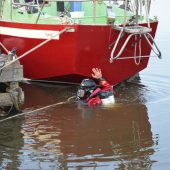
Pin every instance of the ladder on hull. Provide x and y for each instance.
(134, 31)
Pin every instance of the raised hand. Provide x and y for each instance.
(97, 74)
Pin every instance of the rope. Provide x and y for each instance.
(4, 48)
(49, 81)
(31, 50)
(125, 13)
(39, 109)
(140, 51)
(124, 58)
(42, 6)
(1, 67)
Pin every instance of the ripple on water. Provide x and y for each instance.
(69, 136)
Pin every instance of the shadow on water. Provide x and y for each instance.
(71, 136)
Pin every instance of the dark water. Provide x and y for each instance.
(133, 134)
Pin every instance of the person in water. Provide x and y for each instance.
(96, 94)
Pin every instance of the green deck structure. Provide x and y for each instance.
(94, 13)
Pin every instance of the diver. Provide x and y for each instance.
(93, 94)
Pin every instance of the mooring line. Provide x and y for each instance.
(42, 108)
(34, 48)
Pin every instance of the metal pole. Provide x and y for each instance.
(94, 11)
(147, 14)
(137, 9)
(11, 9)
(125, 13)
(149, 5)
(40, 11)
(140, 6)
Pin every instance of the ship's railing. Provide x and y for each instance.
(134, 31)
(128, 11)
(37, 7)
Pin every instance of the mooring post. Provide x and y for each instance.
(10, 92)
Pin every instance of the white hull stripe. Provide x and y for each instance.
(29, 33)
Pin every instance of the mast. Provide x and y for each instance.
(11, 10)
(147, 6)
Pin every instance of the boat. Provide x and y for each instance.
(58, 40)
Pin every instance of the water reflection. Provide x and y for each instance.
(70, 136)
(119, 137)
(11, 143)
(40, 94)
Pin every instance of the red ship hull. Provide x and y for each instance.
(73, 56)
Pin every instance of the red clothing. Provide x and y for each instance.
(98, 94)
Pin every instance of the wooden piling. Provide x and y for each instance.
(10, 92)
